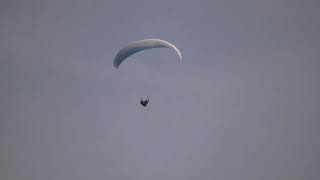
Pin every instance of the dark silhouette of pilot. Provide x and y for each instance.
(144, 102)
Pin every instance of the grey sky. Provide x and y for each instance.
(243, 104)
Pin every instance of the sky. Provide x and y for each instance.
(243, 104)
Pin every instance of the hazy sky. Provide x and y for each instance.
(244, 103)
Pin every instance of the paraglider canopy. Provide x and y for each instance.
(141, 45)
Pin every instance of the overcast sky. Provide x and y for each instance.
(244, 103)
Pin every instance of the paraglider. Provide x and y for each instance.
(138, 46)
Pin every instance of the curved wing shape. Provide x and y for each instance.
(140, 45)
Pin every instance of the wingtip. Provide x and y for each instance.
(115, 65)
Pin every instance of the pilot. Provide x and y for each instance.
(144, 102)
